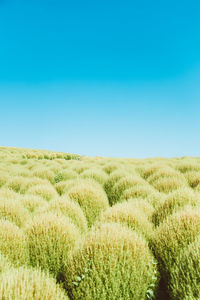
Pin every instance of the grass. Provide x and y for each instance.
(76, 227)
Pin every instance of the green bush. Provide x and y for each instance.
(128, 214)
(174, 202)
(168, 184)
(13, 243)
(43, 173)
(13, 210)
(97, 174)
(184, 276)
(29, 284)
(178, 231)
(91, 198)
(15, 183)
(50, 238)
(46, 191)
(32, 203)
(143, 205)
(193, 178)
(113, 263)
(112, 180)
(165, 172)
(138, 191)
(63, 205)
(124, 184)
(65, 175)
(111, 167)
(187, 166)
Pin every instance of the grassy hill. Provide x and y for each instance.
(94, 228)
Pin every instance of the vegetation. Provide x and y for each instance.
(75, 227)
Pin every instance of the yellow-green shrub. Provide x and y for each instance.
(148, 170)
(111, 167)
(124, 184)
(29, 284)
(112, 180)
(168, 184)
(50, 238)
(15, 183)
(32, 203)
(91, 198)
(186, 166)
(128, 214)
(13, 210)
(113, 263)
(155, 199)
(171, 236)
(65, 175)
(44, 173)
(66, 207)
(6, 193)
(13, 243)
(184, 281)
(45, 191)
(174, 202)
(97, 174)
(142, 204)
(193, 178)
(138, 191)
(165, 172)
(31, 182)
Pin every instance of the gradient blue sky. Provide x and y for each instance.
(108, 78)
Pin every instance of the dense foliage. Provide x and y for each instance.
(75, 227)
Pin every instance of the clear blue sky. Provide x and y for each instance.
(108, 78)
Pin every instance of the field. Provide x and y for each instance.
(92, 228)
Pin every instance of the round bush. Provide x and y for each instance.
(166, 172)
(65, 175)
(127, 214)
(124, 184)
(111, 167)
(44, 173)
(96, 174)
(146, 207)
(91, 198)
(138, 191)
(168, 184)
(113, 263)
(13, 210)
(50, 238)
(27, 283)
(156, 199)
(112, 180)
(32, 181)
(171, 236)
(63, 205)
(32, 203)
(15, 183)
(187, 166)
(193, 178)
(174, 202)
(46, 191)
(13, 243)
(184, 275)
(149, 170)
(6, 193)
